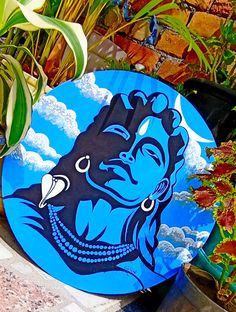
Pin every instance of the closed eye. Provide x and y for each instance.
(118, 129)
(153, 154)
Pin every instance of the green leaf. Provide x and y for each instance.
(41, 82)
(233, 133)
(96, 4)
(228, 32)
(213, 42)
(19, 106)
(23, 17)
(72, 32)
(227, 28)
(32, 4)
(228, 57)
(17, 18)
(227, 83)
(221, 75)
(52, 7)
(184, 32)
(6, 9)
(4, 91)
(232, 37)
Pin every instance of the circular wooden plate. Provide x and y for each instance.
(97, 193)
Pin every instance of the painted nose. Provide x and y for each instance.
(126, 157)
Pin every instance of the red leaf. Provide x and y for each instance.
(226, 247)
(223, 187)
(226, 149)
(226, 219)
(222, 169)
(219, 259)
(229, 204)
(204, 196)
(216, 259)
(202, 176)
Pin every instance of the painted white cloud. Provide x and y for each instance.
(178, 254)
(57, 113)
(89, 89)
(181, 196)
(188, 231)
(182, 237)
(41, 142)
(193, 159)
(32, 160)
(199, 235)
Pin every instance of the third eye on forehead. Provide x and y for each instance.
(142, 130)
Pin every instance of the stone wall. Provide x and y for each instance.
(169, 58)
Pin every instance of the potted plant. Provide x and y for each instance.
(215, 98)
(16, 99)
(16, 93)
(214, 271)
(218, 192)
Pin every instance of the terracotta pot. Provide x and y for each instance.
(185, 296)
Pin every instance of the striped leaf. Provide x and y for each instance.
(32, 4)
(4, 91)
(41, 82)
(23, 16)
(6, 9)
(9, 6)
(17, 18)
(19, 105)
(16, 100)
(72, 32)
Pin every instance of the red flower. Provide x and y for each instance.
(204, 196)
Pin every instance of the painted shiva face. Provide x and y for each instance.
(123, 157)
(139, 168)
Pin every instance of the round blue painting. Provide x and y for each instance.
(97, 194)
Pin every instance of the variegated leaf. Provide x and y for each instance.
(23, 17)
(72, 32)
(32, 4)
(19, 106)
(41, 81)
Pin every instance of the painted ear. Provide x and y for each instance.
(160, 189)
